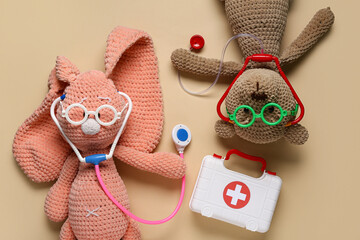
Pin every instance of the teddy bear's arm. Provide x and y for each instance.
(166, 164)
(57, 199)
(186, 61)
(315, 29)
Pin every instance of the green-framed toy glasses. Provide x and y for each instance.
(271, 114)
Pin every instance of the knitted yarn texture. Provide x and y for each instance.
(271, 89)
(42, 153)
(265, 19)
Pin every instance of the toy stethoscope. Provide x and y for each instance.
(181, 136)
(256, 58)
(263, 58)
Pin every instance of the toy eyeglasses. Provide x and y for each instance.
(112, 114)
(279, 114)
(271, 114)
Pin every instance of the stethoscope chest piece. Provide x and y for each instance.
(181, 136)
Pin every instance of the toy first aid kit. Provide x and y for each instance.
(234, 197)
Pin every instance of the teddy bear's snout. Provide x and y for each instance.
(90, 127)
(258, 94)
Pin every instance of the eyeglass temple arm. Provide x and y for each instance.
(122, 110)
(301, 105)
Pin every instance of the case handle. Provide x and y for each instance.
(248, 157)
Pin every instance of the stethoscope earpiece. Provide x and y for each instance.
(197, 42)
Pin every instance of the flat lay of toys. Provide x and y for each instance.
(88, 120)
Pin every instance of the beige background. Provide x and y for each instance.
(320, 194)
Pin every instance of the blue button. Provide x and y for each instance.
(182, 135)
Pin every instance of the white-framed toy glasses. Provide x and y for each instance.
(111, 113)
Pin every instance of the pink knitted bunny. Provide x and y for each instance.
(43, 154)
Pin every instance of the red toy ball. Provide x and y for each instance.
(197, 42)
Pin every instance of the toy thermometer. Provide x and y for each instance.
(234, 197)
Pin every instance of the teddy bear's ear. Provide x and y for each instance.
(66, 71)
(38, 146)
(224, 129)
(296, 134)
(130, 62)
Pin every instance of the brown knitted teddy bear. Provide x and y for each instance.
(261, 82)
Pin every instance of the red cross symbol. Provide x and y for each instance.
(236, 195)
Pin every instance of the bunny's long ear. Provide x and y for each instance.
(38, 146)
(131, 63)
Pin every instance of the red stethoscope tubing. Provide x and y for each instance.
(262, 58)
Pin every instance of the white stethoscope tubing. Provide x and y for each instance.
(221, 63)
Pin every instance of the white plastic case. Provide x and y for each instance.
(234, 197)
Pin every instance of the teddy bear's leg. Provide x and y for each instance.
(318, 26)
(132, 232)
(66, 232)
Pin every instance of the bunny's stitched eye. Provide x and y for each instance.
(246, 110)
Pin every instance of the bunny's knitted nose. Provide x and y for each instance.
(90, 127)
